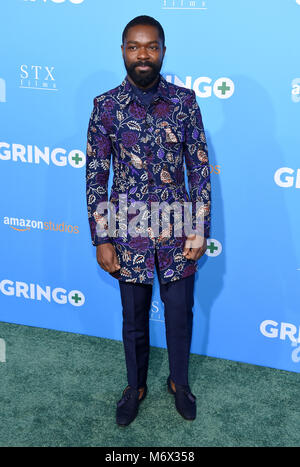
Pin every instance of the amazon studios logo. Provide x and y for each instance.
(223, 88)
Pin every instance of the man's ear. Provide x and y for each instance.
(122, 48)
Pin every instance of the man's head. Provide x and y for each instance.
(143, 50)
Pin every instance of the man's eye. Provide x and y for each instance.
(153, 47)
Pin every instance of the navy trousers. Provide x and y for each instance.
(178, 300)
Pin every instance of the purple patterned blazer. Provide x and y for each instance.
(150, 148)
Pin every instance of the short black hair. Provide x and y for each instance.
(145, 20)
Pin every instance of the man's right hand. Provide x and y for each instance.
(107, 257)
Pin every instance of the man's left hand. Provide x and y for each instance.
(194, 247)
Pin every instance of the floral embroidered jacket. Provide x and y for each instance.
(150, 149)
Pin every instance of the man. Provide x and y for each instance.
(150, 127)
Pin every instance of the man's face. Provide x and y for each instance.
(143, 55)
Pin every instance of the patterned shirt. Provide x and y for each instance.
(150, 147)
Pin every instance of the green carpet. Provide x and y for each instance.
(61, 389)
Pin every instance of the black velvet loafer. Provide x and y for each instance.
(128, 405)
(185, 401)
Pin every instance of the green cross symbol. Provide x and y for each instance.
(76, 298)
(212, 247)
(76, 158)
(224, 88)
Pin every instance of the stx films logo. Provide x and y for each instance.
(38, 77)
(204, 87)
(184, 4)
(156, 313)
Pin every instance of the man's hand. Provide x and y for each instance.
(194, 247)
(107, 257)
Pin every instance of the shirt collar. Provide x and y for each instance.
(128, 91)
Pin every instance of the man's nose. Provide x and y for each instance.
(143, 53)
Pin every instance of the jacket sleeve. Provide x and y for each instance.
(98, 156)
(197, 165)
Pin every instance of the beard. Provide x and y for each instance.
(143, 77)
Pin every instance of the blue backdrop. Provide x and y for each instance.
(242, 59)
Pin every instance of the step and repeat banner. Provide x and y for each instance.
(242, 60)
